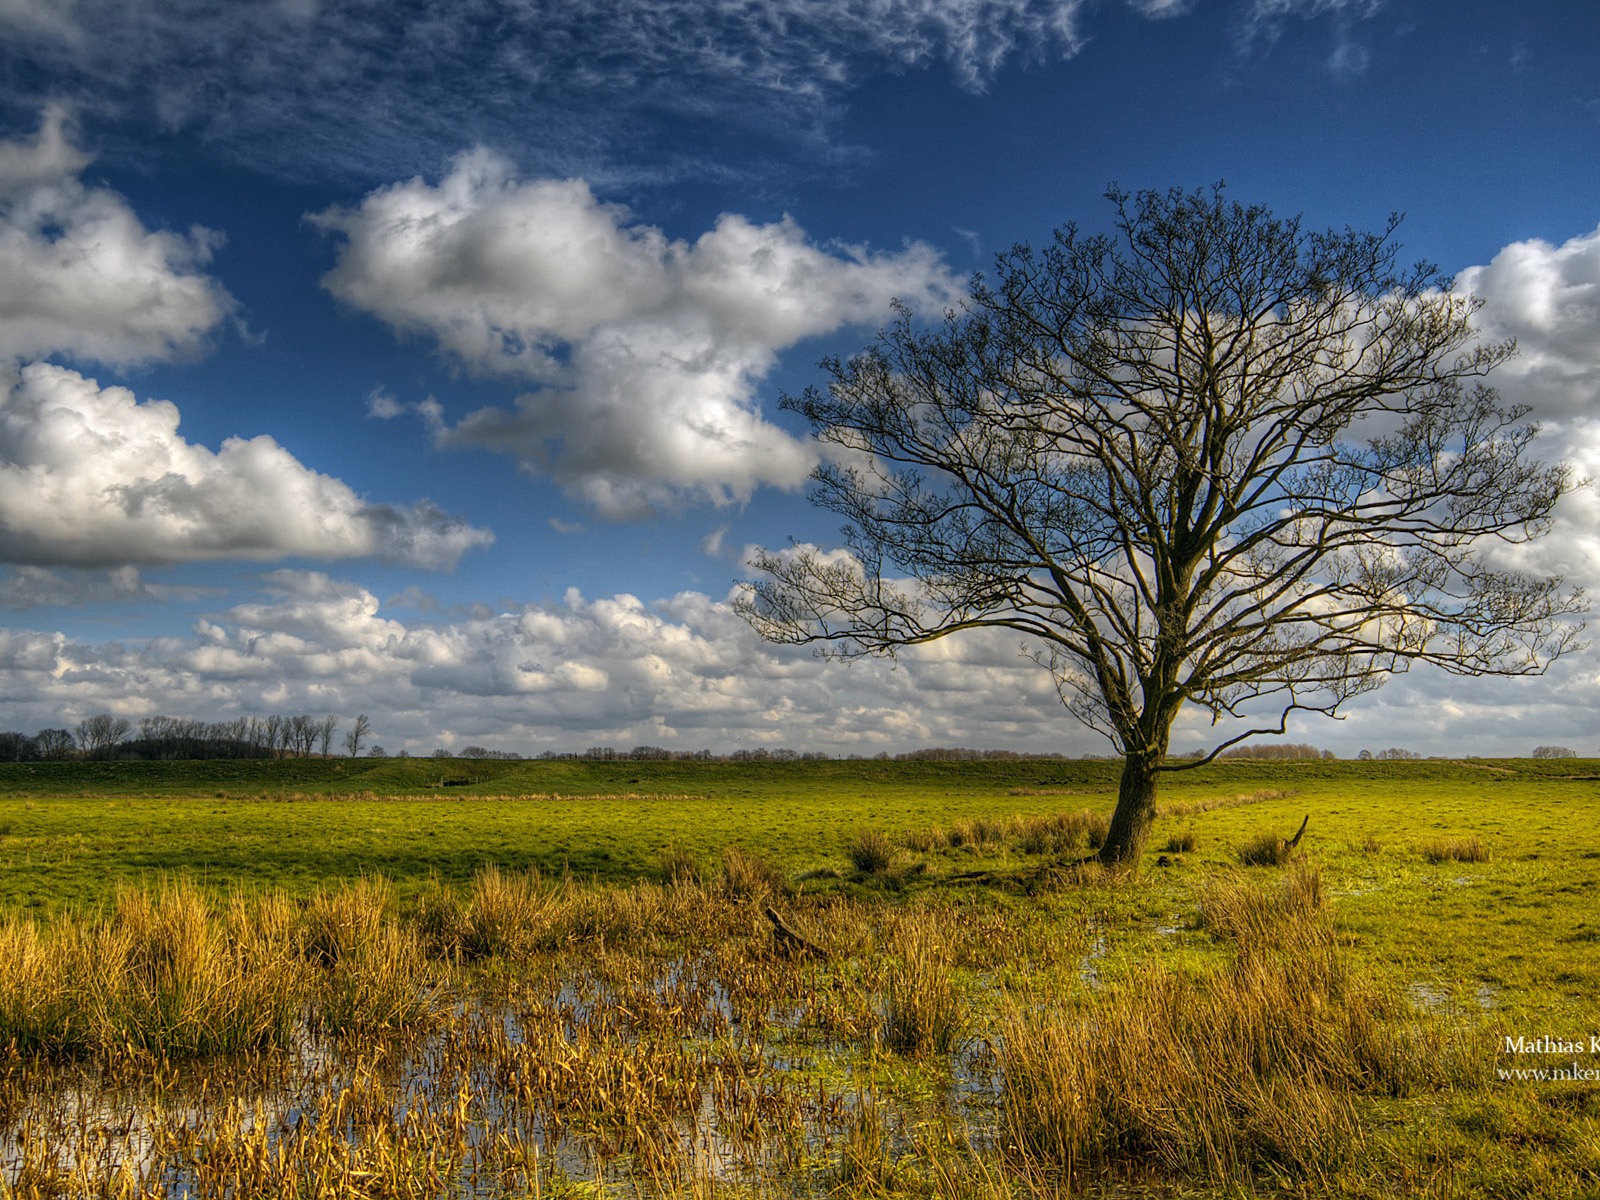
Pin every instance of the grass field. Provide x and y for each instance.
(1341, 1017)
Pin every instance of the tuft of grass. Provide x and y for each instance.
(1227, 1073)
(925, 841)
(160, 973)
(1236, 907)
(1181, 843)
(747, 876)
(1467, 849)
(339, 922)
(871, 852)
(380, 987)
(507, 915)
(679, 865)
(1265, 850)
(866, 1165)
(923, 1010)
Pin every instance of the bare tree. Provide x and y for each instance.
(1212, 459)
(100, 733)
(1554, 752)
(325, 734)
(274, 731)
(356, 734)
(54, 743)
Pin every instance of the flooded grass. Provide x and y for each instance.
(536, 1037)
(987, 1013)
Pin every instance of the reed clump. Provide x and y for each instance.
(509, 915)
(1460, 849)
(747, 876)
(923, 1009)
(1223, 1073)
(158, 972)
(871, 852)
(679, 865)
(1265, 850)
(1055, 833)
(1181, 843)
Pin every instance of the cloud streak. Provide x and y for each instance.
(650, 349)
(681, 671)
(351, 86)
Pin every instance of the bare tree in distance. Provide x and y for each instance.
(356, 734)
(1212, 459)
(325, 732)
(54, 743)
(100, 733)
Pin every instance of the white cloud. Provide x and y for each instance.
(382, 406)
(1548, 298)
(1264, 23)
(90, 476)
(1158, 10)
(82, 275)
(684, 671)
(712, 545)
(650, 349)
(36, 19)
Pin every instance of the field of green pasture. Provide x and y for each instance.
(1337, 1019)
(1517, 931)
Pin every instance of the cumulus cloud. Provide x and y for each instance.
(83, 276)
(1548, 298)
(682, 671)
(91, 476)
(650, 349)
(378, 89)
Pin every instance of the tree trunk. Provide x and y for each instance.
(1135, 811)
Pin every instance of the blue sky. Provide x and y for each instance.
(422, 359)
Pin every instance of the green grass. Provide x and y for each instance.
(1506, 941)
(76, 828)
(1517, 930)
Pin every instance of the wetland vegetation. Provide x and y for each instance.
(323, 978)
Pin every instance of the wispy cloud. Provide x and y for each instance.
(684, 670)
(1265, 21)
(37, 587)
(377, 89)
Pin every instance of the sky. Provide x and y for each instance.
(422, 358)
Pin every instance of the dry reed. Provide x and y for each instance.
(1462, 849)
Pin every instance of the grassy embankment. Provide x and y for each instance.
(986, 1020)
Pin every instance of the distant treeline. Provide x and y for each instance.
(109, 737)
(783, 754)
(1277, 750)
